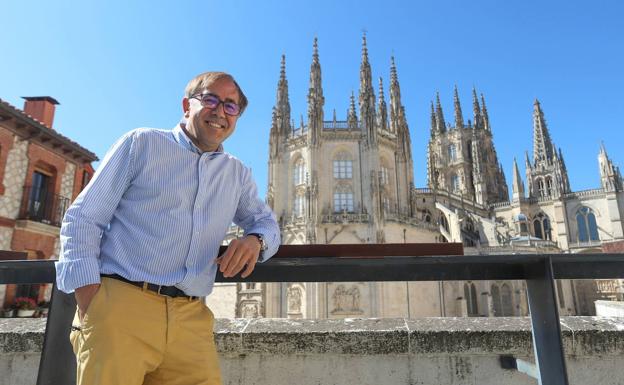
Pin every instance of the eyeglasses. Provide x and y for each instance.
(212, 101)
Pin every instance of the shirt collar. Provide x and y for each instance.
(183, 139)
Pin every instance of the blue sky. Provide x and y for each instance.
(117, 65)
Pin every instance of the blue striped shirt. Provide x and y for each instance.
(157, 210)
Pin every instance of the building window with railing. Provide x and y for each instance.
(587, 226)
(343, 200)
(298, 209)
(39, 203)
(299, 172)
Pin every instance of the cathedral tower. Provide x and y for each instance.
(547, 175)
(462, 158)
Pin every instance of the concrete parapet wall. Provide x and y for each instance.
(446, 351)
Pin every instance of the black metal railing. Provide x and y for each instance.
(42, 206)
(366, 262)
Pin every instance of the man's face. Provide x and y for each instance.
(207, 127)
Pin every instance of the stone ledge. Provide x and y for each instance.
(582, 336)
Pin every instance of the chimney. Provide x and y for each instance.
(40, 108)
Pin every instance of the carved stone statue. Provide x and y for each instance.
(294, 299)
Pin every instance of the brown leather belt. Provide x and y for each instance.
(168, 291)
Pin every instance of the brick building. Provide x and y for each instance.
(41, 172)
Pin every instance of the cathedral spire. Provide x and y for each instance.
(518, 185)
(440, 123)
(610, 176)
(476, 110)
(280, 120)
(396, 118)
(315, 71)
(484, 113)
(351, 114)
(459, 119)
(542, 145)
(434, 122)
(367, 98)
(283, 104)
(316, 101)
(382, 110)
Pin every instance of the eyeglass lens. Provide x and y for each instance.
(212, 101)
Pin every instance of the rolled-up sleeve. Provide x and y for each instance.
(89, 215)
(255, 216)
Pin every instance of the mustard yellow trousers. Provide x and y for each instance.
(129, 336)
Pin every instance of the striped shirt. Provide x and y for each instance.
(157, 210)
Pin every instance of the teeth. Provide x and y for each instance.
(215, 125)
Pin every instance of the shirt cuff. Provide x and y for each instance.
(71, 275)
(271, 239)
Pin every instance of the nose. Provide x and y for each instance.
(220, 110)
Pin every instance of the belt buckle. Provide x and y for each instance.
(159, 293)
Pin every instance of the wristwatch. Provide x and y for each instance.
(263, 245)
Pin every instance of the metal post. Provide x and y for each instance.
(547, 343)
(58, 362)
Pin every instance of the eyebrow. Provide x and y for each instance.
(208, 92)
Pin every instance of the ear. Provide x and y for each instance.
(185, 107)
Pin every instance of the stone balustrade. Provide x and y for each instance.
(441, 351)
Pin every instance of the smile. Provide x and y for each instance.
(215, 125)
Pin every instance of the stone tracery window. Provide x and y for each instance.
(541, 227)
(540, 187)
(298, 210)
(549, 186)
(343, 199)
(343, 166)
(470, 294)
(299, 172)
(587, 226)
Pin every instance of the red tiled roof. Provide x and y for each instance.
(26, 118)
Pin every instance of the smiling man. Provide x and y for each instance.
(140, 244)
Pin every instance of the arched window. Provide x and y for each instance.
(470, 294)
(549, 191)
(299, 206)
(343, 166)
(497, 306)
(343, 199)
(540, 187)
(299, 172)
(541, 226)
(587, 226)
(506, 301)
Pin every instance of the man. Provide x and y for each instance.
(140, 244)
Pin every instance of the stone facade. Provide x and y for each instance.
(351, 181)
